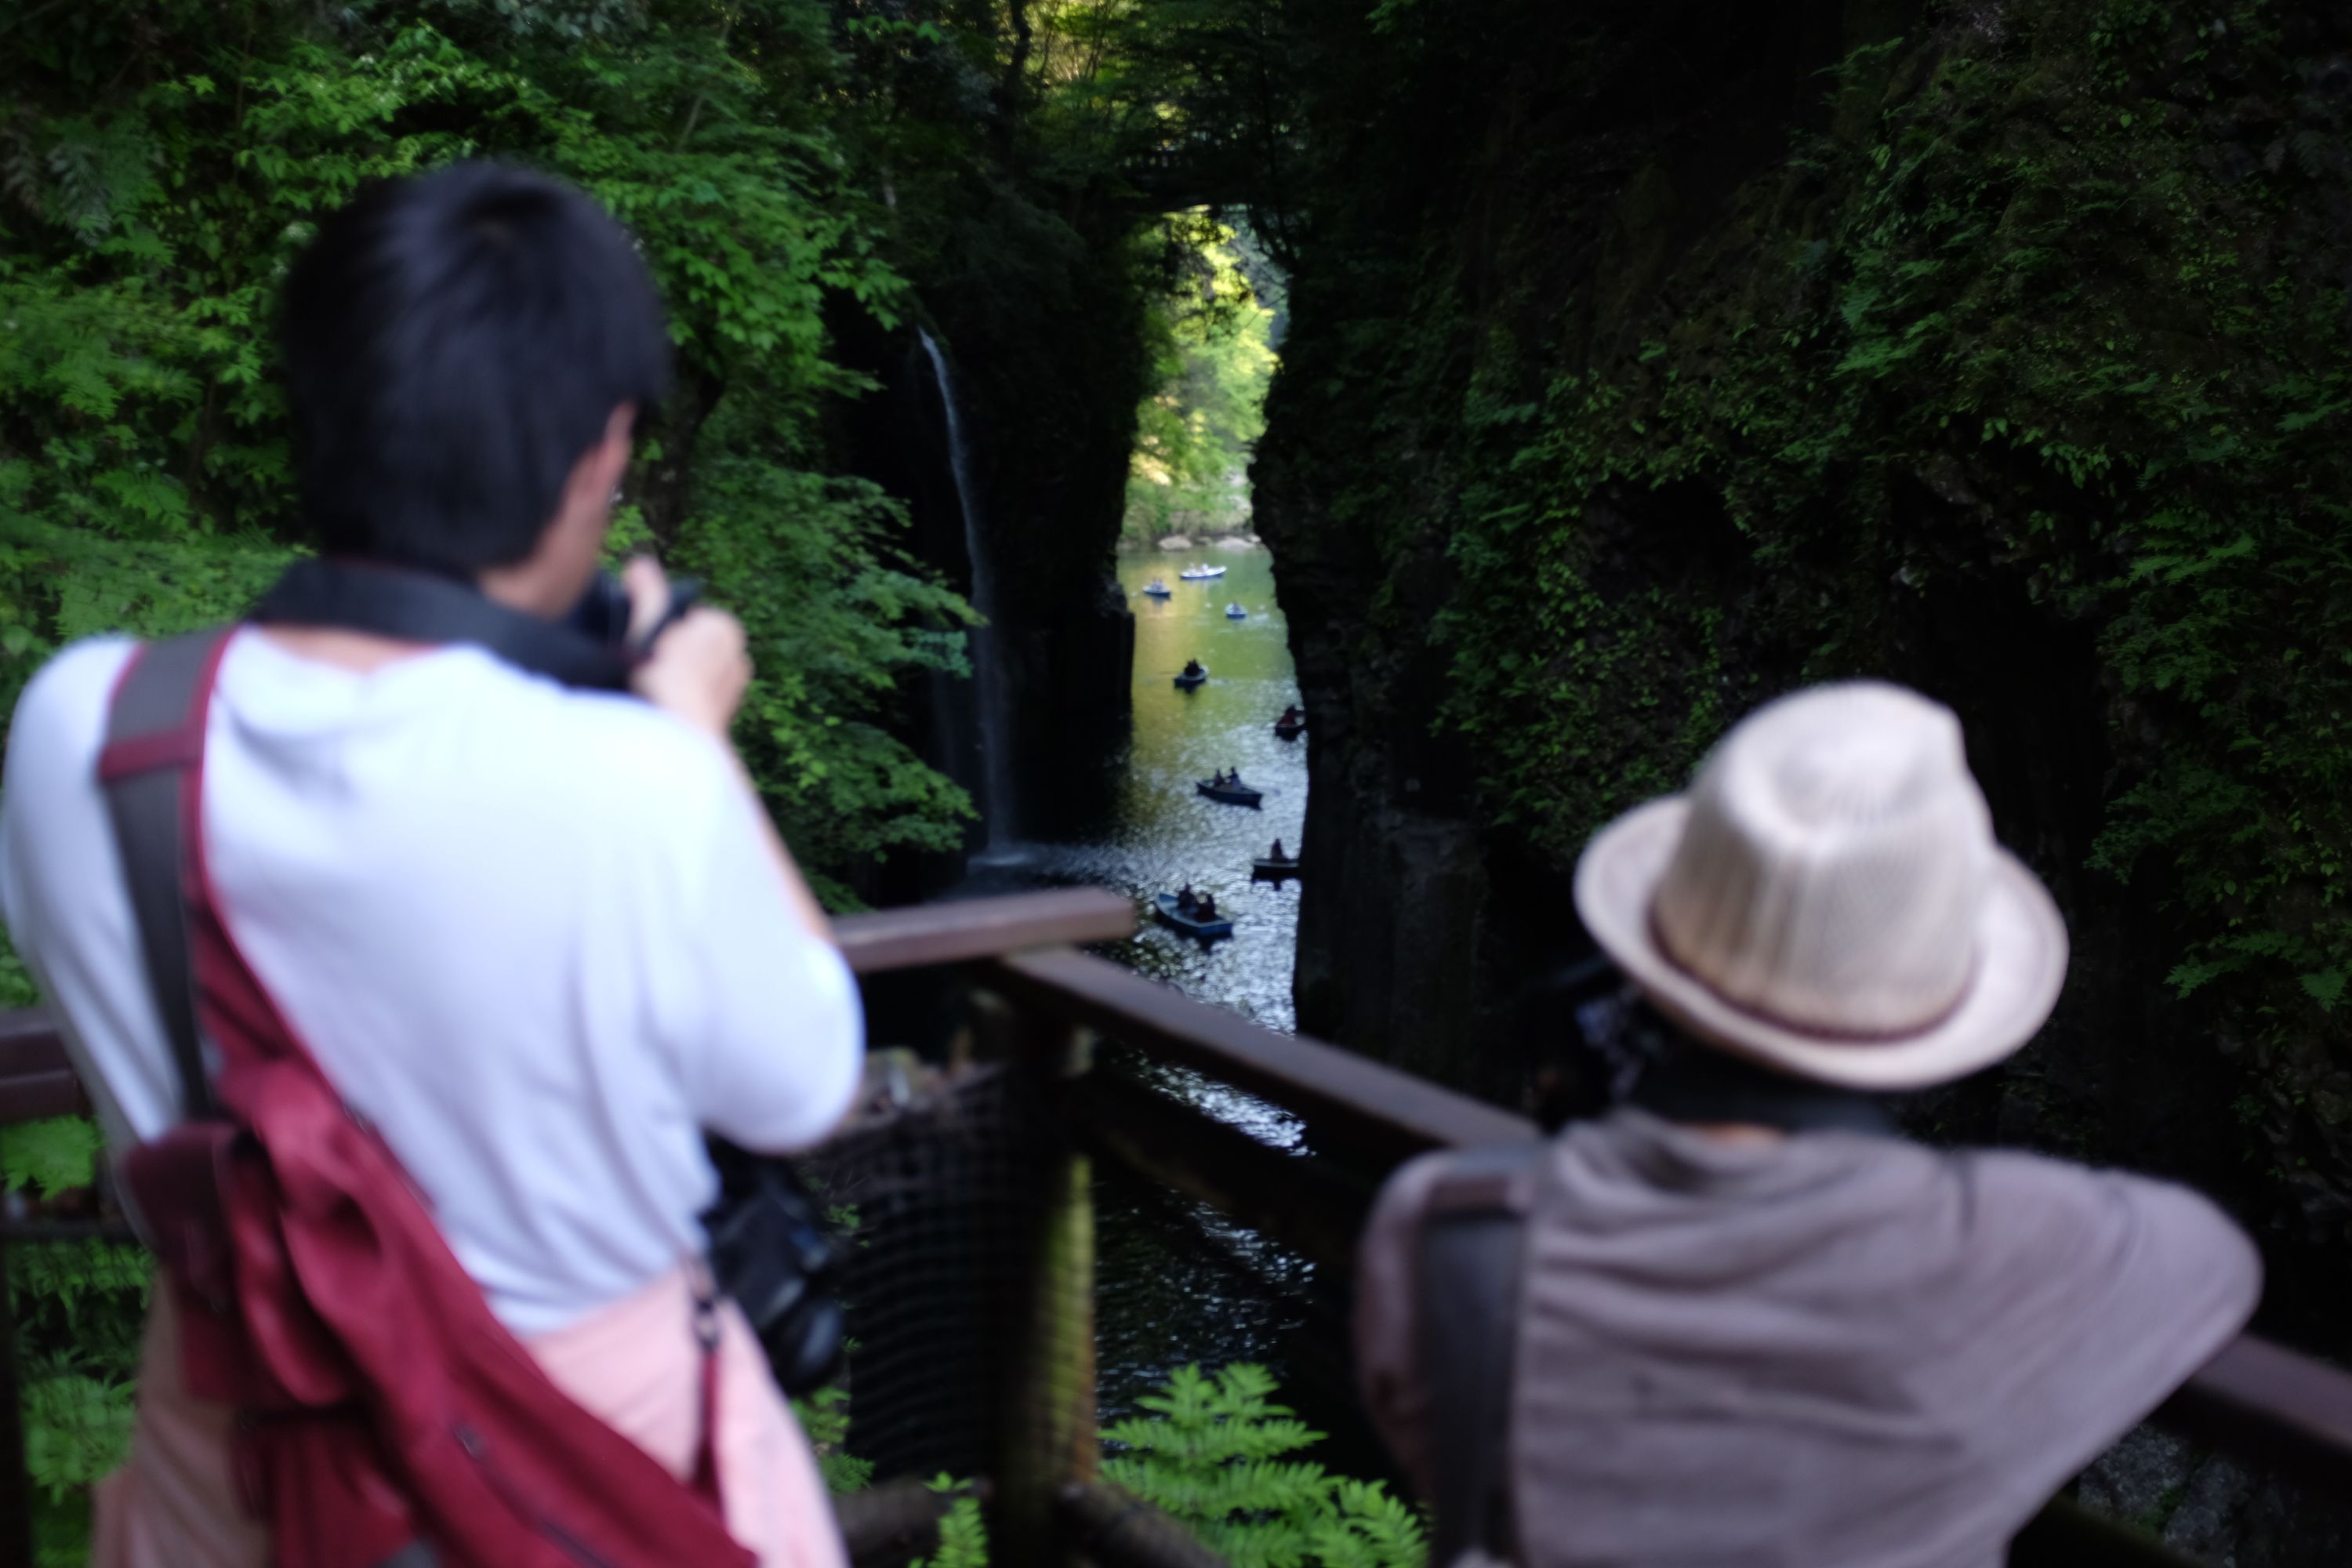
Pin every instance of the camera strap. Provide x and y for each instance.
(1700, 1086)
(418, 606)
(1468, 1279)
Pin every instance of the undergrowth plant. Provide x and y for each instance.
(78, 1308)
(1213, 1455)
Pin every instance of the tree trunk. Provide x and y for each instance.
(665, 484)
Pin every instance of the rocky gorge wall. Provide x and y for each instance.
(1039, 319)
(1648, 360)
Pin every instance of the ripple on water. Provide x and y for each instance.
(1177, 1281)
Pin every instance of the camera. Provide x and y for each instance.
(602, 615)
(1592, 1037)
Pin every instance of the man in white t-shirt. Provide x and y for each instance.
(542, 937)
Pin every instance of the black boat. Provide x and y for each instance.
(1290, 731)
(1193, 682)
(1264, 870)
(1231, 793)
(1164, 906)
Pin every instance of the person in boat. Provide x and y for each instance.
(1289, 716)
(1186, 899)
(1218, 778)
(1233, 779)
(1277, 854)
(1192, 666)
(1207, 909)
(1754, 1321)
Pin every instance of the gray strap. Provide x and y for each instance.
(1470, 1251)
(161, 695)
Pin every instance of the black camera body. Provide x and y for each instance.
(1592, 1037)
(773, 1252)
(602, 615)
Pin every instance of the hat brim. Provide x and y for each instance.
(2021, 966)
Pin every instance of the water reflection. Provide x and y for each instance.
(1177, 1281)
(1159, 832)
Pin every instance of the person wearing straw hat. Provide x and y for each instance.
(1740, 1319)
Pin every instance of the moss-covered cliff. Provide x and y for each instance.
(1649, 360)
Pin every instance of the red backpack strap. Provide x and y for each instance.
(154, 751)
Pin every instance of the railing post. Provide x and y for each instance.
(1047, 1438)
(15, 1484)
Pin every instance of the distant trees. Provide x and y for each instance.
(1212, 361)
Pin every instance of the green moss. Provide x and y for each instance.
(2052, 309)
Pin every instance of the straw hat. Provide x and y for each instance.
(1828, 898)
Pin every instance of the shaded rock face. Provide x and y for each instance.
(1047, 408)
(1426, 918)
(1043, 318)
(1648, 361)
(2213, 1509)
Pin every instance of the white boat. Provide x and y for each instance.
(1201, 573)
(1158, 590)
(1236, 613)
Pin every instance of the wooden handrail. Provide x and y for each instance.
(2260, 1399)
(2255, 1396)
(1351, 1099)
(37, 1080)
(966, 928)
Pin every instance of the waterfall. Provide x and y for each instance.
(999, 808)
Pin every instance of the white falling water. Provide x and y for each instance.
(997, 803)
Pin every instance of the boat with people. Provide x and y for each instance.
(1274, 865)
(1230, 791)
(1201, 573)
(1291, 725)
(1236, 613)
(1157, 589)
(1192, 921)
(1193, 676)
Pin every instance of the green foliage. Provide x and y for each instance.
(144, 478)
(2050, 314)
(47, 1157)
(1212, 364)
(964, 1533)
(78, 1308)
(825, 1416)
(1212, 1455)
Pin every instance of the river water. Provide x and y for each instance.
(1159, 832)
(1177, 1282)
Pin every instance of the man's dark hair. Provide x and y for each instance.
(454, 342)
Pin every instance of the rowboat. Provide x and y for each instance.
(1231, 794)
(1264, 870)
(1158, 590)
(1236, 613)
(1290, 732)
(1165, 906)
(1201, 573)
(1188, 682)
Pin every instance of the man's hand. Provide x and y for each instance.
(697, 670)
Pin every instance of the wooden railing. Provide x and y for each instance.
(1041, 1002)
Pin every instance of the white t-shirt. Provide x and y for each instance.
(532, 934)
